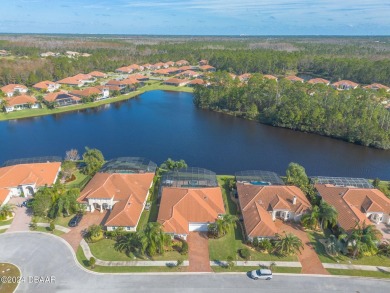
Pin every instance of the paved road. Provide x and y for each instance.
(39, 254)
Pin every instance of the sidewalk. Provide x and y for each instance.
(356, 267)
(290, 264)
(139, 263)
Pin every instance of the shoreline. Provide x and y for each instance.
(31, 113)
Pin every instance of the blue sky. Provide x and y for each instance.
(197, 17)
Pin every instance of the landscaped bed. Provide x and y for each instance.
(376, 260)
(134, 269)
(12, 273)
(104, 250)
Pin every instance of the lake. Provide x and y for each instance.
(160, 124)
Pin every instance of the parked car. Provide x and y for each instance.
(75, 220)
(263, 274)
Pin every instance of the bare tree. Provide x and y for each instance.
(72, 155)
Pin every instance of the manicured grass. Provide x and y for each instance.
(104, 250)
(276, 269)
(44, 111)
(232, 242)
(2, 231)
(79, 182)
(103, 269)
(62, 221)
(375, 260)
(359, 273)
(7, 222)
(47, 230)
(8, 270)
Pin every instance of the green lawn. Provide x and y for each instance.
(359, 273)
(375, 260)
(230, 244)
(9, 271)
(62, 221)
(7, 222)
(103, 269)
(80, 181)
(104, 250)
(2, 231)
(276, 269)
(46, 230)
(44, 111)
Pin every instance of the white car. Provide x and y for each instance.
(261, 274)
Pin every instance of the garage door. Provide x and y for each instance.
(203, 227)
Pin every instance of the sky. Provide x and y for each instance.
(197, 17)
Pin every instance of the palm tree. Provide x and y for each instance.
(364, 240)
(6, 211)
(310, 220)
(94, 230)
(225, 224)
(128, 243)
(328, 215)
(154, 238)
(289, 244)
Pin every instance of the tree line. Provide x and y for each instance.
(353, 115)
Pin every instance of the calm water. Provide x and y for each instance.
(158, 125)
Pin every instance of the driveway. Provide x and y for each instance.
(76, 234)
(22, 218)
(198, 252)
(42, 254)
(309, 259)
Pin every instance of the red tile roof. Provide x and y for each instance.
(9, 88)
(87, 92)
(98, 74)
(352, 204)
(294, 78)
(129, 191)
(346, 83)
(257, 202)
(44, 85)
(52, 97)
(206, 67)
(40, 174)
(181, 206)
(377, 86)
(196, 81)
(318, 80)
(269, 76)
(176, 81)
(20, 100)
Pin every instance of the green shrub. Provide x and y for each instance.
(184, 247)
(179, 262)
(52, 226)
(245, 253)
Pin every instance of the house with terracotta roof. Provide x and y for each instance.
(98, 74)
(294, 78)
(124, 69)
(20, 102)
(98, 93)
(176, 82)
(158, 65)
(203, 62)
(121, 187)
(78, 80)
(139, 77)
(190, 200)
(207, 68)
(356, 205)
(148, 66)
(125, 85)
(261, 205)
(60, 99)
(269, 76)
(10, 89)
(47, 86)
(163, 72)
(26, 179)
(169, 64)
(377, 86)
(244, 77)
(345, 85)
(189, 74)
(195, 82)
(318, 81)
(182, 62)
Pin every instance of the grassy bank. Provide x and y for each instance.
(359, 273)
(247, 269)
(45, 111)
(7, 222)
(11, 271)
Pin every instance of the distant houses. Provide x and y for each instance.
(61, 99)
(47, 86)
(11, 89)
(345, 85)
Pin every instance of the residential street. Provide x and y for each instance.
(39, 254)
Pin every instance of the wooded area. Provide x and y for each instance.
(351, 115)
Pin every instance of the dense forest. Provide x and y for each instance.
(352, 115)
(363, 60)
